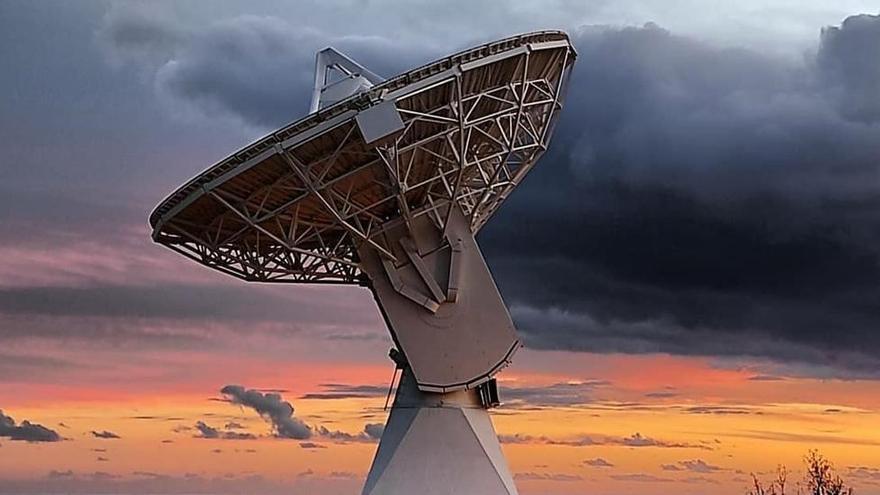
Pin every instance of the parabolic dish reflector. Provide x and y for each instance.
(386, 188)
(296, 205)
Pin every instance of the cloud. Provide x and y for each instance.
(598, 462)
(766, 378)
(101, 475)
(523, 439)
(311, 445)
(149, 474)
(26, 431)
(166, 301)
(553, 395)
(344, 391)
(535, 476)
(638, 440)
(848, 62)
(345, 475)
(206, 431)
(865, 473)
(634, 440)
(699, 200)
(806, 438)
(700, 480)
(662, 395)
(696, 200)
(140, 33)
(640, 477)
(699, 466)
(106, 435)
(372, 432)
(271, 407)
(249, 67)
(720, 410)
(694, 466)
(55, 474)
(147, 482)
(241, 67)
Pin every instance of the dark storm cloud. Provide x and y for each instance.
(699, 200)
(257, 68)
(159, 316)
(26, 431)
(250, 66)
(696, 200)
(167, 301)
(141, 32)
(272, 408)
(21, 366)
(849, 62)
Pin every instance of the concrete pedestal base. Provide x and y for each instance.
(438, 444)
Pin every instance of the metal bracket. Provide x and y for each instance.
(409, 248)
(407, 291)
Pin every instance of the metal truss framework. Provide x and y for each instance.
(303, 220)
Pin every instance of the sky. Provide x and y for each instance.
(693, 266)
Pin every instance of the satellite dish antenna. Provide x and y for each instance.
(384, 185)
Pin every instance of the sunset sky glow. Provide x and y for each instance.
(693, 266)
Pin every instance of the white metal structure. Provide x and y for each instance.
(438, 444)
(385, 185)
(351, 78)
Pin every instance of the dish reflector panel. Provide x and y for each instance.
(297, 205)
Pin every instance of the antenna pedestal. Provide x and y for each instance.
(438, 444)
